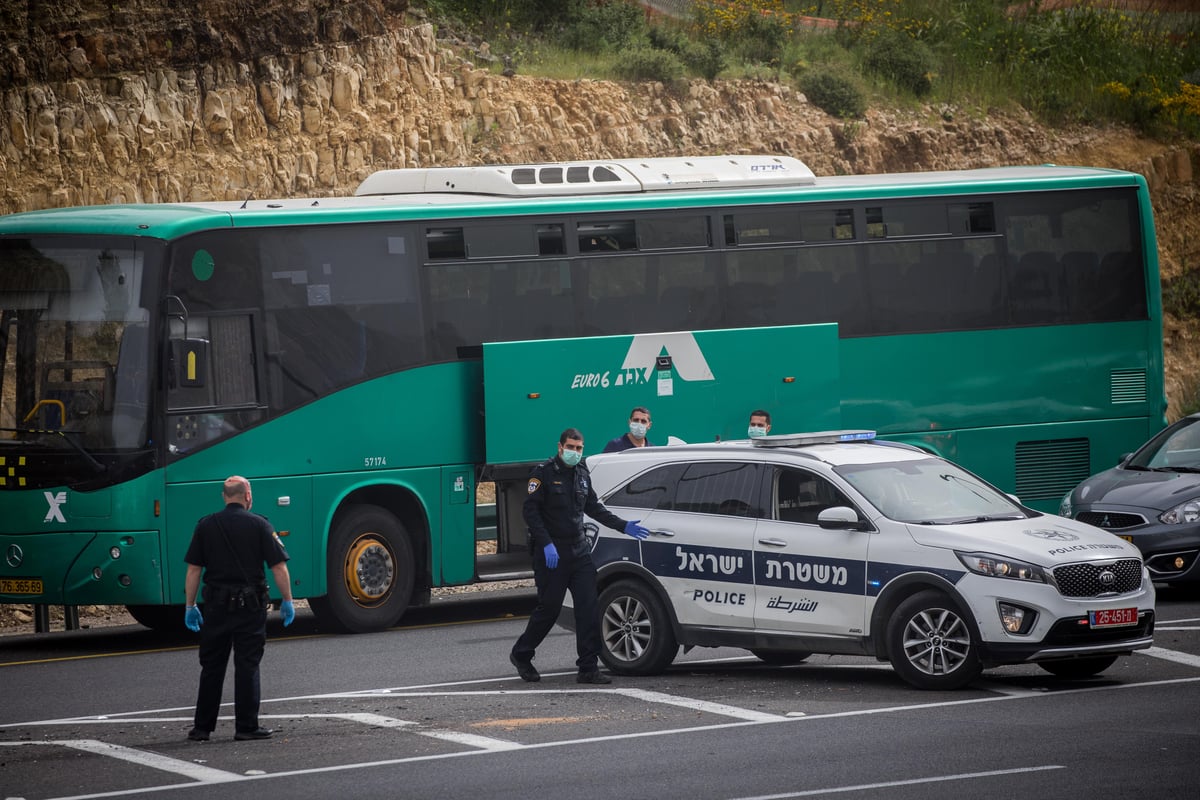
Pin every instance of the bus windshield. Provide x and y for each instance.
(74, 331)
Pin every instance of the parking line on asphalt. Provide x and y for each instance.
(866, 787)
(188, 769)
(381, 721)
(700, 705)
(1172, 655)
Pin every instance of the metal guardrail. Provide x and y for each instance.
(485, 522)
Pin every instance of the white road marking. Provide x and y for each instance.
(468, 739)
(700, 705)
(622, 736)
(913, 782)
(188, 769)
(1173, 655)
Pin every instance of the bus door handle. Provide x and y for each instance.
(773, 542)
(664, 532)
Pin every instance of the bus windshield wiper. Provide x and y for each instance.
(79, 448)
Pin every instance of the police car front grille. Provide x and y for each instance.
(1085, 580)
(1110, 520)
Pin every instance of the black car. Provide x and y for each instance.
(1152, 499)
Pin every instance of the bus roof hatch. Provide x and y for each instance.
(593, 177)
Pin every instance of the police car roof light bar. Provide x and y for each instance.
(819, 437)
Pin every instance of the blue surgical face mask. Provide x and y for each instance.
(638, 429)
(571, 457)
(755, 431)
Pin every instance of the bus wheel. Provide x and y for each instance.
(635, 630)
(930, 643)
(370, 572)
(168, 619)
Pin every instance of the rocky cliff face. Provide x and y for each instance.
(147, 101)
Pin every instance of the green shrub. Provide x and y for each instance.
(706, 57)
(606, 25)
(650, 64)
(902, 60)
(1181, 295)
(833, 93)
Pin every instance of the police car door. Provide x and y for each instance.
(808, 579)
(701, 542)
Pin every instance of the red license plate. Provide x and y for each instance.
(1113, 618)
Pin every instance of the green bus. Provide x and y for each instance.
(369, 361)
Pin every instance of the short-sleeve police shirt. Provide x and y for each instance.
(236, 555)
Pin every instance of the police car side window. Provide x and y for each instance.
(653, 490)
(725, 488)
(803, 495)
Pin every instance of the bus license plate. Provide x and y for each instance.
(1113, 618)
(20, 585)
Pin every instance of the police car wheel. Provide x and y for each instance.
(931, 643)
(1077, 668)
(635, 629)
(779, 657)
(370, 571)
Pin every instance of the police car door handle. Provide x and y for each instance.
(773, 542)
(662, 533)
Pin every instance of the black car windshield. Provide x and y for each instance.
(74, 331)
(929, 491)
(1175, 448)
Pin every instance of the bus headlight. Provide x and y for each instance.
(1000, 567)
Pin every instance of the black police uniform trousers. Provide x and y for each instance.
(245, 632)
(575, 572)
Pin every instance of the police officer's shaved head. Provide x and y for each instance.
(236, 487)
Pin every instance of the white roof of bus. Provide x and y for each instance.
(479, 185)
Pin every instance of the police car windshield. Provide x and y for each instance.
(930, 491)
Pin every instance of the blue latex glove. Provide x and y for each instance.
(193, 619)
(636, 531)
(288, 610)
(551, 555)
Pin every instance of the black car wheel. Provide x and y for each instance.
(635, 629)
(930, 643)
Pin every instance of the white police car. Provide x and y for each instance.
(839, 543)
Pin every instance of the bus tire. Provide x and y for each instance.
(369, 574)
(168, 619)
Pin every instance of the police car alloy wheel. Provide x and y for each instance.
(930, 643)
(636, 630)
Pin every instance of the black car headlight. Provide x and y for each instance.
(1000, 567)
(1182, 513)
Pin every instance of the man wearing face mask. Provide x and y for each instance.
(559, 493)
(639, 424)
(760, 423)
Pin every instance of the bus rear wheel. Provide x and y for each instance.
(369, 574)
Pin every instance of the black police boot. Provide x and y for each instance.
(525, 669)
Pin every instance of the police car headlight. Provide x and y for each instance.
(1000, 567)
(1182, 513)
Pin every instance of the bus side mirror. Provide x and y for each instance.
(189, 363)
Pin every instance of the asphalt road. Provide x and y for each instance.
(433, 709)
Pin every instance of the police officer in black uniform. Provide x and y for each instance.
(230, 547)
(559, 492)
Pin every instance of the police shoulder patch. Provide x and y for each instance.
(534, 483)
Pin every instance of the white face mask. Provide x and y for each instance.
(755, 431)
(638, 430)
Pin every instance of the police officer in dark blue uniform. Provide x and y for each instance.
(229, 548)
(559, 493)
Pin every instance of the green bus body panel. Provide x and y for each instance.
(64, 554)
(716, 379)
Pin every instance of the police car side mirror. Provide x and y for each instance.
(840, 518)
